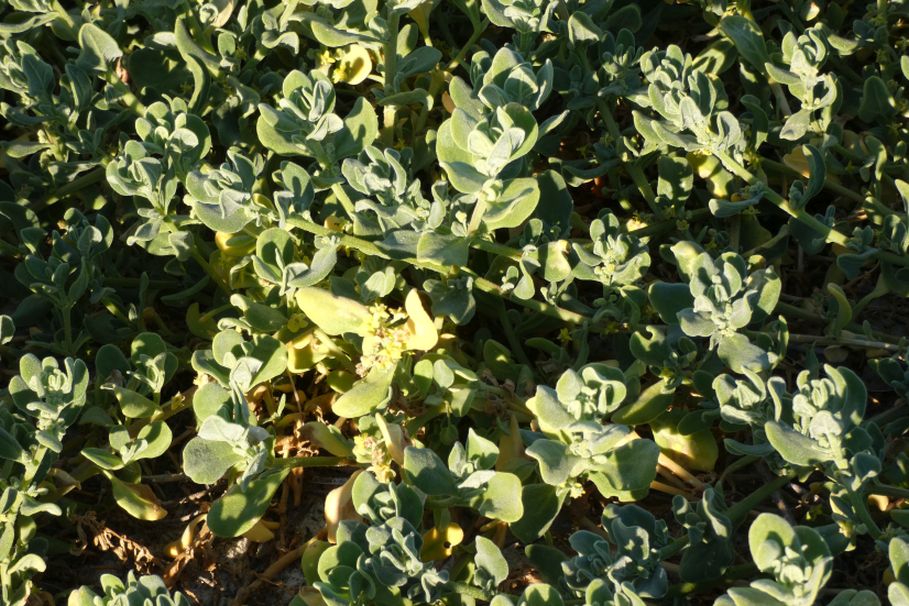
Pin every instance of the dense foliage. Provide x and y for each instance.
(584, 301)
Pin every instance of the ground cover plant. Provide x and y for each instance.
(409, 302)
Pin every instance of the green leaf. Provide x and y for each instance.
(767, 533)
(550, 413)
(9, 447)
(498, 501)
(582, 29)
(628, 472)
(541, 594)
(898, 551)
(843, 312)
(877, 101)
(239, 510)
(697, 450)
(514, 204)
(541, 503)
(361, 127)
(328, 437)
(669, 299)
(794, 447)
(333, 314)
(369, 394)
(424, 469)
(132, 404)
(99, 49)
(652, 402)
(748, 39)
(102, 458)
(741, 354)
(137, 500)
(444, 249)
(489, 557)
(556, 465)
(209, 399)
(206, 462)
(796, 125)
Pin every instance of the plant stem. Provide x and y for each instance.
(782, 203)
(738, 511)
(733, 572)
(470, 591)
(888, 490)
(438, 82)
(68, 329)
(297, 462)
(66, 18)
(484, 285)
(206, 266)
(861, 508)
(348, 205)
(390, 53)
(637, 175)
(836, 188)
(680, 472)
(847, 341)
(737, 464)
(77, 184)
(669, 489)
(31, 469)
(494, 248)
(510, 335)
(832, 235)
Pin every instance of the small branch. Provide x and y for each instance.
(276, 568)
(637, 175)
(657, 485)
(681, 472)
(297, 462)
(738, 511)
(845, 341)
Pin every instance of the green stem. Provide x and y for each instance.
(737, 464)
(737, 512)
(733, 572)
(847, 341)
(478, 31)
(637, 175)
(861, 508)
(804, 314)
(77, 184)
(438, 82)
(130, 100)
(31, 469)
(743, 173)
(206, 266)
(510, 335)
(484, 285)
(471, 591)
(66, 18)
(121, 282)
(494, 248)
(888, 490)
(896, 411)
(832, 235)
(348, 205)
(391, 67)
(674, 547)
(296, 462)
(836, 188)
(68, 329)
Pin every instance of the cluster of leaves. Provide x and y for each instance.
(506, 265)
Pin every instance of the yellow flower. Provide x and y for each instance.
(353, 66)
(439, 543)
